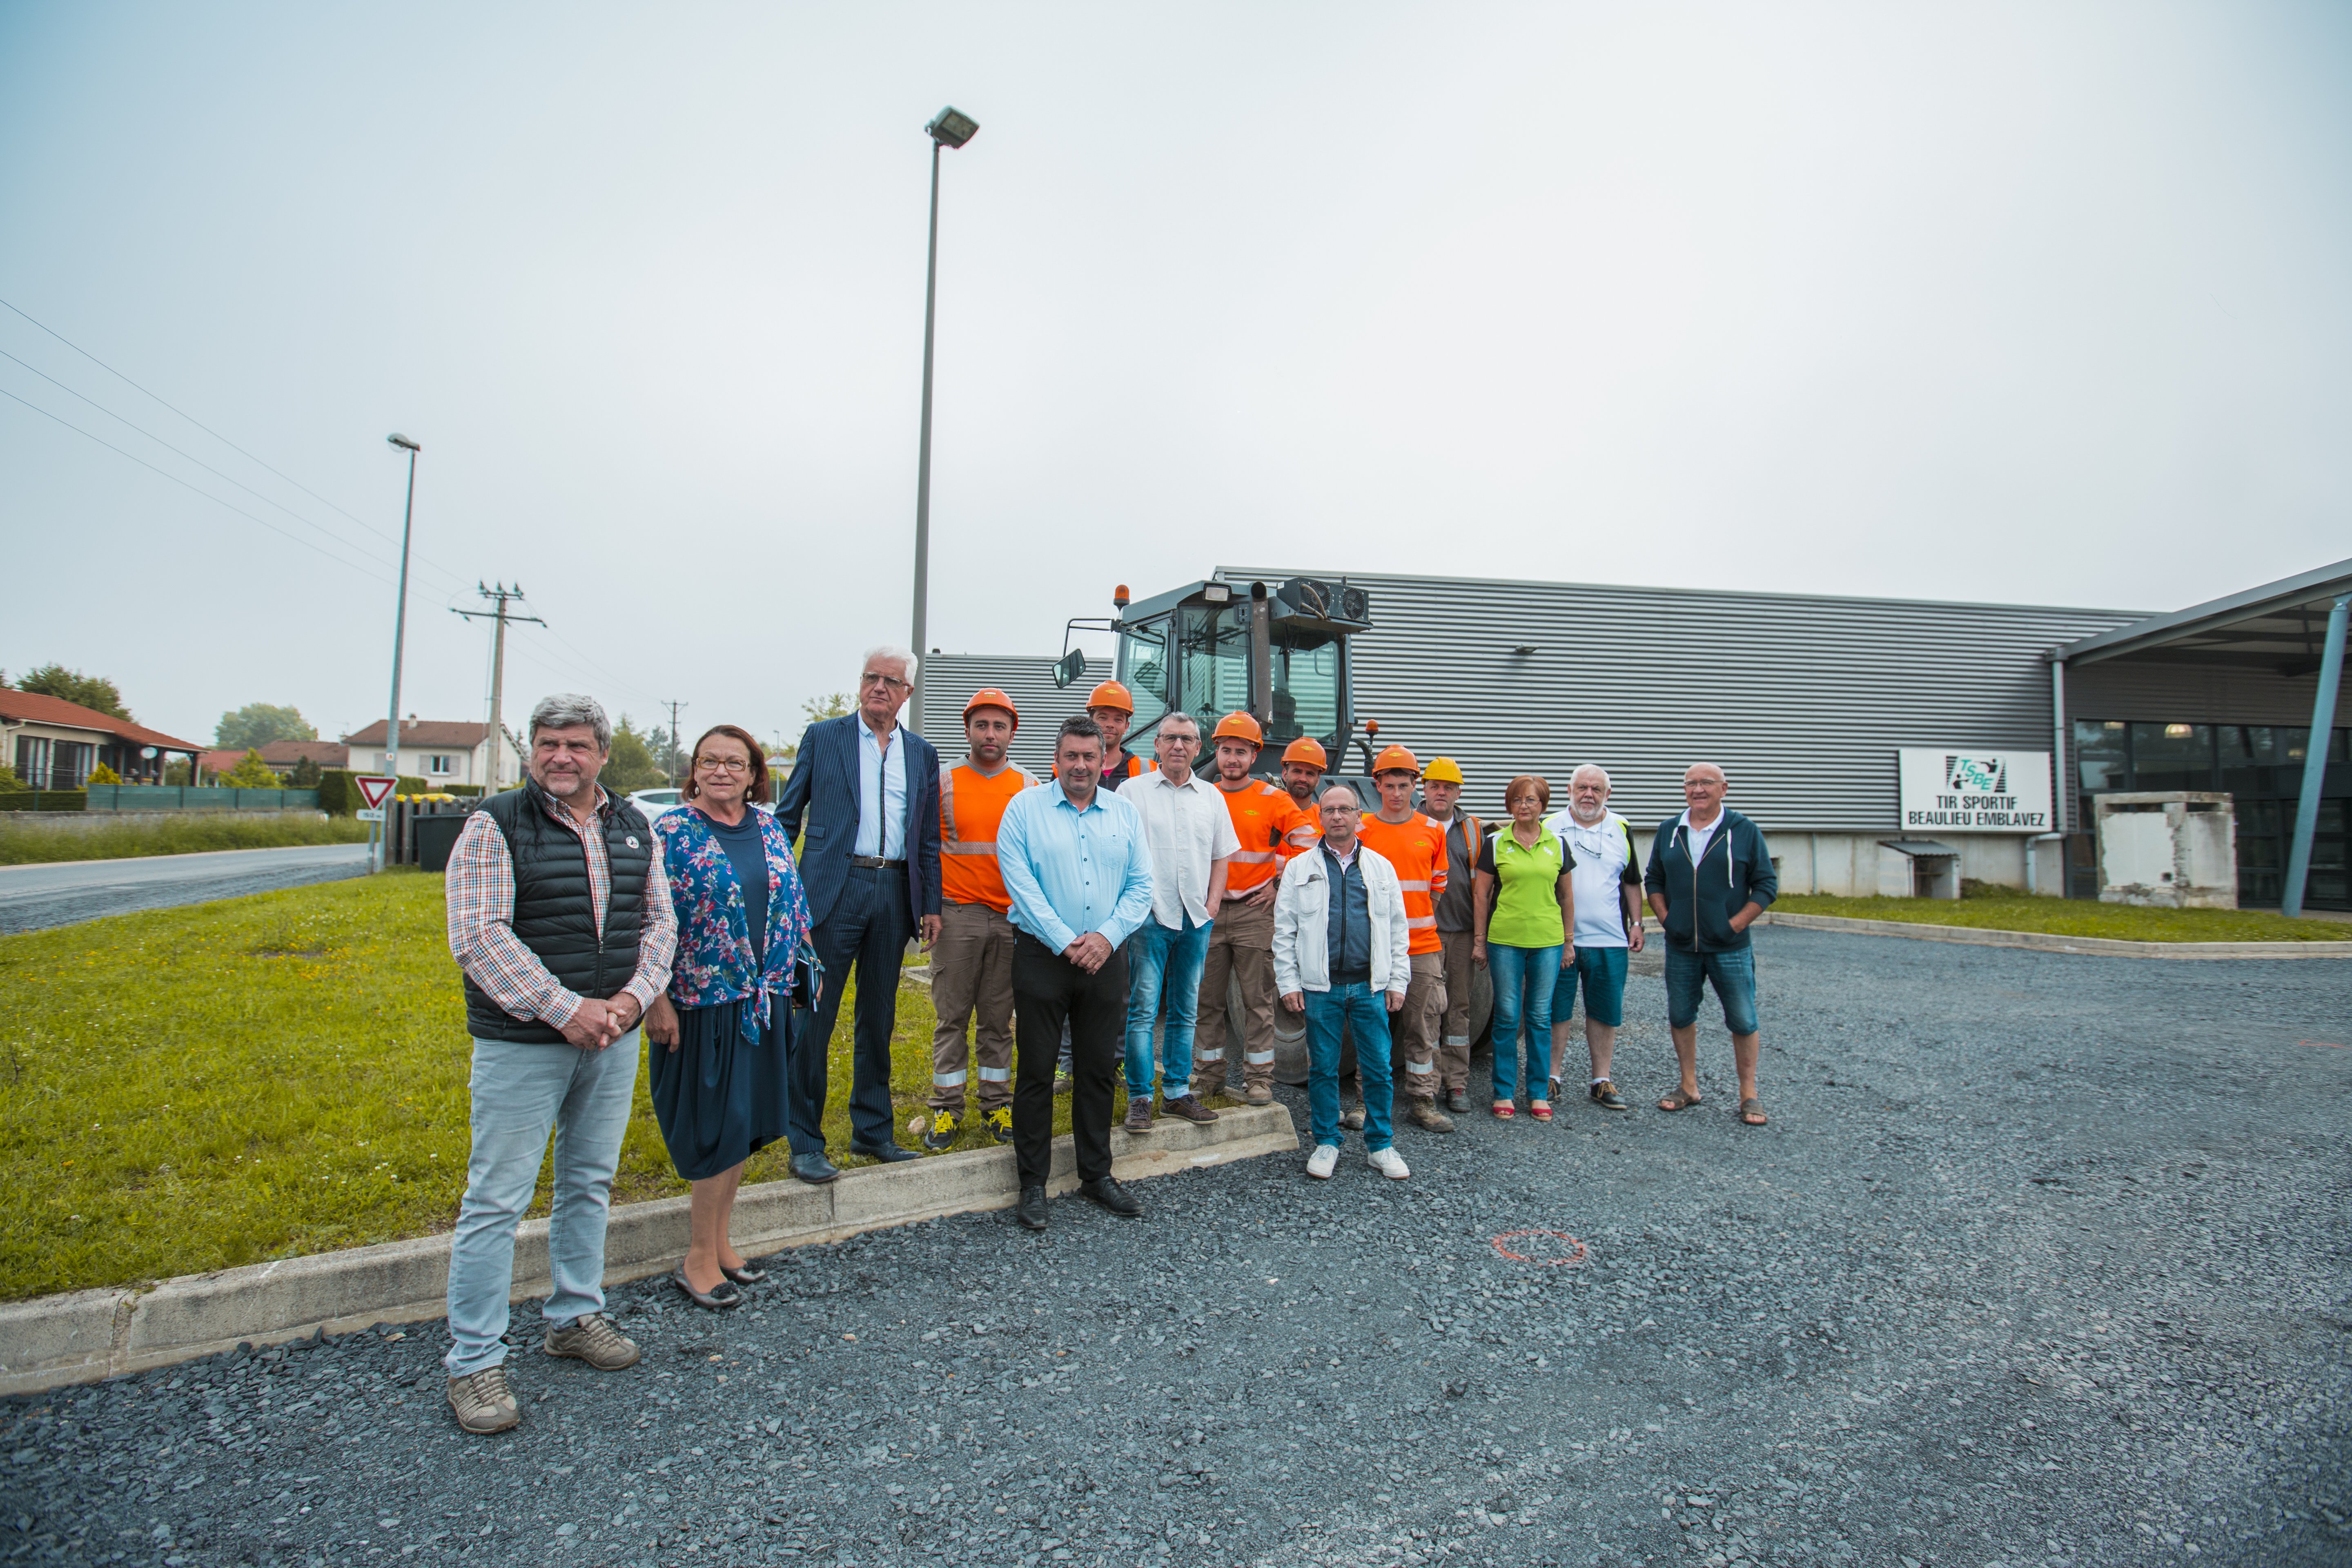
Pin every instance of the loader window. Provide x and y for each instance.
(1143, 668)
(1213, 647)
(1305, 687)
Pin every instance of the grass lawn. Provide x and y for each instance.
(2004, 910)
(200, 1088)
(27, 843)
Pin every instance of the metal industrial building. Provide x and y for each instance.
(1806, 699)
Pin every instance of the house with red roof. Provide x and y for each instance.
(56, 744)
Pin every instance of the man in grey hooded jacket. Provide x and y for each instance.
(1710, 877)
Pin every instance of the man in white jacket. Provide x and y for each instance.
(1340, 954)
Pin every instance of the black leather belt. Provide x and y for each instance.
(876, 863)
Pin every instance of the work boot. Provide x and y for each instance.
(941, 1133)
(1260, 1094)
(594, 1340)
(1426, 1115)
(483, 1403)
(1351, 1116)
(999, 1123)
(1138, 1114)
(1189, 1109)
(1458, 1102)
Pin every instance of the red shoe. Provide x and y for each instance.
(1540, 1109)
(1504, 1110)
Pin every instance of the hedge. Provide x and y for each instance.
(44, 799)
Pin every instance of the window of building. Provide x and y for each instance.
(437, 764)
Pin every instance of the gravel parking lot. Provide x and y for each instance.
(2042, 1261)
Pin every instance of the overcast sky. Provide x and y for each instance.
(2040, 303)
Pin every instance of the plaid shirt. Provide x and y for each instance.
(481, 899)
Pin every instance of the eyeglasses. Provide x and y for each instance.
(874, 677)
(722, 764)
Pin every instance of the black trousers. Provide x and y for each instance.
(1047, 991)
(866, 929)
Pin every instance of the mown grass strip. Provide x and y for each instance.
(2072, 916)
(33, 843)
(220, 1084)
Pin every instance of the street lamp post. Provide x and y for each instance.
(949, 128)
(399, 630)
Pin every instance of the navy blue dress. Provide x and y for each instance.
(720, 1098)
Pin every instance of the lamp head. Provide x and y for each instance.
(402, 442)
(951, 127)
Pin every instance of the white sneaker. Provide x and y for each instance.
(1323, 1161)
(1389, 1164)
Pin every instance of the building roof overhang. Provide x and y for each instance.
(2280, 626)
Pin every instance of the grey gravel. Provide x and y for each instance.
(2042, 1261)
(66, 892)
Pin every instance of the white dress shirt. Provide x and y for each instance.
(881, 794)
(1189, 830)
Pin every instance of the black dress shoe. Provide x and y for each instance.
(889, 1154)
(1112, 1196)
(749, 1274)
(719, 1299)
(1031, 1211)
(813, 1168)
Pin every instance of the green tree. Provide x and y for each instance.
(252, 772)
(303, 774)
(632, 765)
(8, 779)
(53, 680)
(103, 774)
(831, 706)
(258, 723)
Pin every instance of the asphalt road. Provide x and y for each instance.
(2042, 1261)
(61, 892)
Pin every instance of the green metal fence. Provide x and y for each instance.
(40, 800)
(190, 797)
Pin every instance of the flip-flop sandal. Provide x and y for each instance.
(1678, 1100)
(1752, 1112)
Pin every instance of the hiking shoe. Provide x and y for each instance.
(1458, 1102)
(999, 1123)
(1138, 1114)
(594, 1340)
(941, 1133)
(1189, 1109)
(1426, 1115)
(1323, 1161)
(483, 1403)
(1389, 1164)
(1605, 1095)
(1352, 1117)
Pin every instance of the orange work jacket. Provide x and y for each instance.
(971, 806)
(1267, 821)
(1416, 848)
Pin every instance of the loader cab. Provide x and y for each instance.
(1279, 652)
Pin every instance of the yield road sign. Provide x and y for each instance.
(375, 788)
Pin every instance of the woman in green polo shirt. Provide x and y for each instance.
(1523, 911)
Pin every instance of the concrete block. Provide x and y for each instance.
(917, 1189)
(287, 1298)
(770, 1214)
(61, 1339)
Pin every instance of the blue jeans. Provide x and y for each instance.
(1365, 1011)
(520, 1091)
(1163, 966)
(1602, 970)
(1524, 978)
(1733, 976)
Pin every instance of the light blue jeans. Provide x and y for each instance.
(1524, 979)
(519, 1092)
(1163, 973)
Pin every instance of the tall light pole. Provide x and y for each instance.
(948, 128)
(399, 629)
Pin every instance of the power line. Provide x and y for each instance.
(349, 544)
(186, 485)
(599, 669)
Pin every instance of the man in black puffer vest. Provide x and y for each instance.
(559, 919)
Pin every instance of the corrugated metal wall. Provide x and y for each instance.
(2161, 692)
(1802, 699)
(951, 679)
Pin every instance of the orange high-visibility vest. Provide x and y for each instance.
(1416, 848)
(971, 806)
(1267, 821)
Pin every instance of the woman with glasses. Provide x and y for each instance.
(718, 1036)
(1523, 911)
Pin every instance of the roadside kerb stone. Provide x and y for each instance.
(89, 1335)
(2047, 941)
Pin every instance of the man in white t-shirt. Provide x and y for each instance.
(1608, 881)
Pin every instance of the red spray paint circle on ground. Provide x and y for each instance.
(1545, 1241)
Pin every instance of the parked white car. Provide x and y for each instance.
(654, 802)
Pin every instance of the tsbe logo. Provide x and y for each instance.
(1976, 776)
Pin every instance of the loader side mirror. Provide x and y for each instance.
(1069, 666)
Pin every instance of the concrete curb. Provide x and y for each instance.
(2044, 942)
(88, 1335)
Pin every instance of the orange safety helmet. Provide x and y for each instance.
(1303, 750)
(989, 697)
(1111, 694)
(1238, 726)
(1393, 758)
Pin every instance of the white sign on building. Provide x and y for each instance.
(1951, 790)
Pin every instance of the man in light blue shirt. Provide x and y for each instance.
(1077, 868)
(881, 796)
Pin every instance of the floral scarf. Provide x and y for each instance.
(714, 934)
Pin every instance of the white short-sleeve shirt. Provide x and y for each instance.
(1189, 830)
(1603, 852)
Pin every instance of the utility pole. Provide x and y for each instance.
(502, 594)
(399, 631)
(682, 764)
